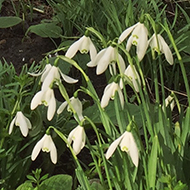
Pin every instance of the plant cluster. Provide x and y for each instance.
(139, 143)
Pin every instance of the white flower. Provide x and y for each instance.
(139, 38)
(76, 104)
(169, 101)
(21, 121)
(52, 73)
(78, 136)
(105, 57)
(127, 144)
(109, 92)
(161, 46)
(132, 77)
(46, 144)
(84, 45)
(47, 98)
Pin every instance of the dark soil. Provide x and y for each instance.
(18, 49)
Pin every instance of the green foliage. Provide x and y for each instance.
(6, 22)
(52, 183)
(159, 132)
(45, 30)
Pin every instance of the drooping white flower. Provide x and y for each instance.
(132, 77)
(127, 144)
(109, 92)
(78, 136)
(139, 38)
(52, 73)
(106, 57)
(169, 101)
(43, 72)
(45, 144)
(76, 104)
(158, 44)
(84, 45)
(47, 98)
(21, 121)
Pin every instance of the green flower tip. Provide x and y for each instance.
(86, 33)
(157, 28)
(142, 18)
(48, 130)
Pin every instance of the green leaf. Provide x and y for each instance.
(1, 2)
(6, 22)
(25, 186)
(96, 185)
(152, 163)
(60, 181)
(46, 30)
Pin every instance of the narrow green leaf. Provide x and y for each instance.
(152, 163)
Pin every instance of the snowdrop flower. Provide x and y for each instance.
(158, 44)
(76, 104)
(109, 92)
(132, 77)
(78, 136)
(54, 74)
(47, 98)
(21, 121)
(106, 57)
(169, 101)
(84, 45)
(127, 144)
(46, 144)
(43, 73)
(139, 38)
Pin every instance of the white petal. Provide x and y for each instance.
(29, 125)
(77, 105)
(106, 96)
(113, 146)
(21, 122)
(74, 48)
(51, 107)
(93, 51)
(37, 148)
(94, 62)
(166, 50)
(78, 143)
(121, 97)
(12, 125)
(53, 153)
(142, 42)
(52, 75)
(133, 151)
(122, 63)
(129, 43)
(104, 61)
(62, 107)
(71, 134)
(126, 32)
(67, 78)
(36, 100)
(85, 45)
(46, 71)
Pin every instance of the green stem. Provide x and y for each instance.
(102, 153)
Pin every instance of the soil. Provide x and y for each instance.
(18, 49)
